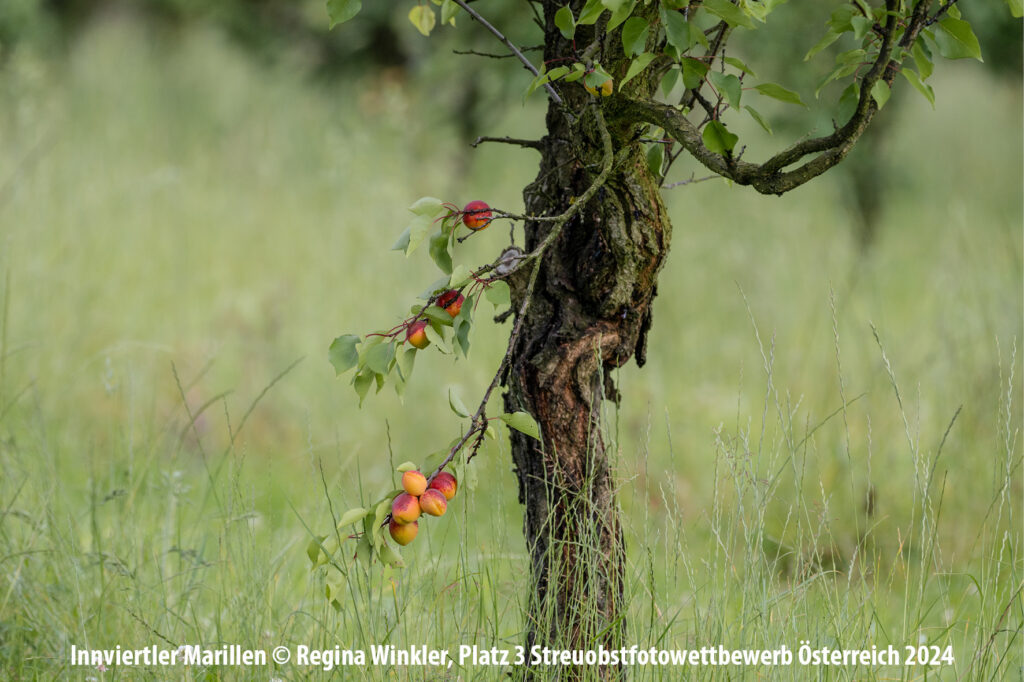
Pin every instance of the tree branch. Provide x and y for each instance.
(531, 144)
(769, 177)
(508, 43)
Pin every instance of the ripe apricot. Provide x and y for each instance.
(433, 502)
(451, 301)
(446, 483)
(403, 533)
(476, 215)
(405, 509)
(416, 334)
(414, 483)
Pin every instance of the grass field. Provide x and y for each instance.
(179, 226)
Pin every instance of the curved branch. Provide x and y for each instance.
(770, 177)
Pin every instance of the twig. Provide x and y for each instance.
(531, 144)
(690, 181)
(491, 55)
(508, 43)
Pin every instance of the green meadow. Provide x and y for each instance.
(823, 446)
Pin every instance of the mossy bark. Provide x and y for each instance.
(590, 313)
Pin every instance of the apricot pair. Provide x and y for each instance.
(419, 498)
(416, 333)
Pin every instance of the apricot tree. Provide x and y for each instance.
(631, 86)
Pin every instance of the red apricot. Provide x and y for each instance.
(414, 483)
(416, 334)
(476, 215)
(451, 301)
(405, 509)
(403, 533)
(446, 483)
(433, 502)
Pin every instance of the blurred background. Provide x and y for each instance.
(195, 195)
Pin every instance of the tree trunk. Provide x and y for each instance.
(589, 314)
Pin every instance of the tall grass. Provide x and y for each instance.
(179, 227)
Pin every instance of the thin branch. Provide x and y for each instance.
(690, 181)
(531, 144)
(769, 177)
(491, 55)
(508, 43)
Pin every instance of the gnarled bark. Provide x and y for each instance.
(589, 314)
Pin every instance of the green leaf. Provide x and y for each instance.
(841, 71)
(829, 38)
(379, 357)
(437, 338)
(578, 71)
(590, 13)
(460, 277)
(776, 91)
(361, 383)
(728, 86)
(636, 66)
(677, 30)
(389, 556)
(406, 362)
(693, 73)
(1016, 8)
(428, 206)
(523, 422)
(406, 466)
(920, 85)
(841, 18)
(756, 115)
(402, 243)
(861, 26)
(364, 550)
(462, 336)
(343, 353)
(597, 77)
(340, 11)
(655, 158)
(455, 402)
(439, 252)
(380, 512)
(634, 35)
(671, 80)
(880, 93)
(418, 230)
(313, 550)
(620, 15)
(352, 516)
(498, 293)
(956, 40)
(848, 101)
(728, 12)
(922, 58)
(565, 22)
(732, 61)
(448, 11)
(423, 18)
(718, 139)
